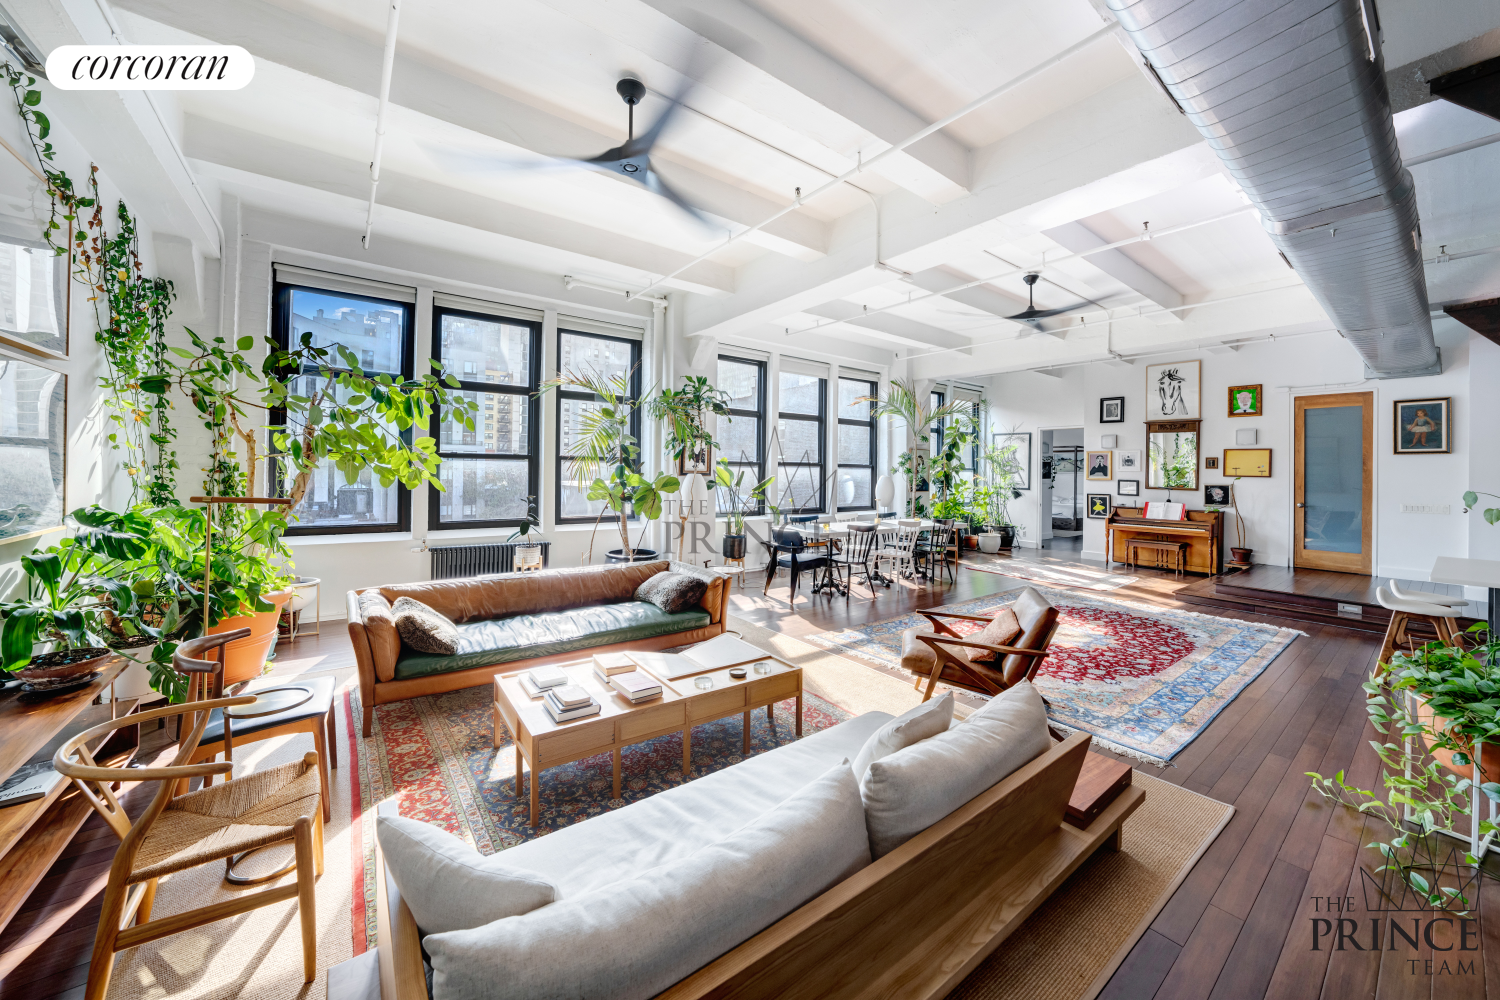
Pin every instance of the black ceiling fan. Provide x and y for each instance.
(1031, 312)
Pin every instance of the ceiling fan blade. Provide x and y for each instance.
(655, 184)
(1031, 314)
(471, 161)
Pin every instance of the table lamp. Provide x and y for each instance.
(885, 492)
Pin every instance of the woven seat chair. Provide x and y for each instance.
(181, 831)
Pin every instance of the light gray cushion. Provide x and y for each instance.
(912, 726)
(635, 938)
(448, 884)
(912, 789)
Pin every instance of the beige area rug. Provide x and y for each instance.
(1072, 944)
(257, 955)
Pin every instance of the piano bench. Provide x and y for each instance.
(1177, 550)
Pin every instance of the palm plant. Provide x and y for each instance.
(606, 453)
(904, 402)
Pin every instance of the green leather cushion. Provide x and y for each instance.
(503, 640)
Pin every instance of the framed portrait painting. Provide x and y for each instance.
(1423, 426)
(1112, 410)
(1173, 391)
(1098, 465)
(1127, 462)
(1099, 505)
(1244, 401)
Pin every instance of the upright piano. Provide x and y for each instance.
(1203, 531)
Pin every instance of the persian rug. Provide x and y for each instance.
(1057, 574)
(1143, 680)
(437, 756)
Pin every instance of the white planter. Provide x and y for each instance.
(135, 680)
(989, 542)
(302, 593)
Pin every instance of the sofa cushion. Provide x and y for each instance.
(912, 726)
(448, 884)
(672, 592)
(505, 594)
(912, 789)
(424, 629)
(483, 643)
(621, 843)
(633, 939)
(380, 631)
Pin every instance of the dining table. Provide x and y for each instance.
(831, 534)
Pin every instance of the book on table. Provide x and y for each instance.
(538, 680)
(563, 712)
(31, 781)
(722, 651)
(608, 664)
(636, 685)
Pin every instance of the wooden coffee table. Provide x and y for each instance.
(542, 743)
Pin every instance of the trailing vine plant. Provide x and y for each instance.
(66, 202)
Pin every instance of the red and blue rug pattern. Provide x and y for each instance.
(1142, 679)
(436, 756)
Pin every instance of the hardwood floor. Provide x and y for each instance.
(1240, 925)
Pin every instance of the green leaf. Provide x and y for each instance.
(244, 343)
(1471, 498)
(32, 98)
(17, 637)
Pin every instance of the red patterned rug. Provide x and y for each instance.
(437, 756)
(1143, 680)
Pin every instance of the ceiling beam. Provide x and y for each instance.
(347, 60)
(985, 298)
(889, 327)
(1077, 237)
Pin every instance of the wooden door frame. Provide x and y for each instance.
(1339, 562)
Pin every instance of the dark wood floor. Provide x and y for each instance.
(1239, 926)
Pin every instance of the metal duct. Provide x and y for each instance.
(1292, 97)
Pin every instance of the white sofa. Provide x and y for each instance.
(669, 888)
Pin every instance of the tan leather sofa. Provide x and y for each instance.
(513, 621)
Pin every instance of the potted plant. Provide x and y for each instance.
(529, 552)
(904, 402)
(733, 543)
(607, 446)
(1005, 469)
(1241, 554)
(685, 412)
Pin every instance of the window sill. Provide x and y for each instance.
(348, 538)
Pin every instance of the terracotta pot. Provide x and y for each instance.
(1241, 555)
(66, 663)
(1445, 757)
(245, 659)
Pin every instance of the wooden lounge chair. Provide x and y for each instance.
(943, 655)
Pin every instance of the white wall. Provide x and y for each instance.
(1033, 402)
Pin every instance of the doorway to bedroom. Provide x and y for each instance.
(1062, 481)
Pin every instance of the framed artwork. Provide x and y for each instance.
(1244, 400)
(700, 461)
(1112, 410)
(1099, 505)
(1128, 487)
(1099, 465)
(1046, 470)
(1128, 461)
(1020, 445)
(1173, 390)
(1216, 496)
(33, 447)
(1423, 427)
(1247, 463)
(1211, 462)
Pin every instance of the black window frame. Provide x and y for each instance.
(822, 464)
(758, 466)
(870, 423)
(564, 392)
(533, 411)
(281, 298)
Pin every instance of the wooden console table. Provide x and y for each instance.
(33, 834)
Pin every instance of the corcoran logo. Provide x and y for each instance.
(149, 67)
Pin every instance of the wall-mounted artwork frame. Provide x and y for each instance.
(1022, 454)
(1245, 400)
(1210, 461)
(1423, 426)
(1112, 409)
(1174, 391)
(1128, 487)
(1099, 466)
(33, 447)
(1247, 463)
(1128, 462)
(1098, 505)
(1217, 495)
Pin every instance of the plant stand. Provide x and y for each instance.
(734, 567)
(1478, 846)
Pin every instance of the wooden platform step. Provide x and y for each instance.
(1354, 613)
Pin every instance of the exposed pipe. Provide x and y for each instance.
(387, 64)
(1463, 147)
(916, 137)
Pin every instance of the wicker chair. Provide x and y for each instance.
(181, 831)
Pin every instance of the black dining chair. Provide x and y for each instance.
(858, 549)
(937, 549)
(786, 550)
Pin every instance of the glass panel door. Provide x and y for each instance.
(1333, 480)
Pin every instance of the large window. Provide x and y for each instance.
(741, 434)
(489, 473)
(800, 426)
(856, 481)
(378, 332)
(607, 356)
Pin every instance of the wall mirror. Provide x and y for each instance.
(1172, 454)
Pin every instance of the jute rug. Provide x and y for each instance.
(1144, 680)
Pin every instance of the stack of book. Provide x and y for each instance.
(539, 680)
(607, 665)
(636, 685)
(568, 702)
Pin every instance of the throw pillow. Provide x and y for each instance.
(1003, 629)
(911, 789)
(380, 631)
(912, 726)
(632, 939)
(449, 885)
(672, 592)
(423, 629)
